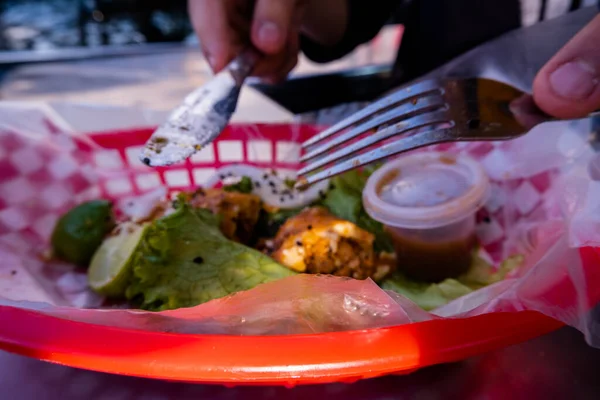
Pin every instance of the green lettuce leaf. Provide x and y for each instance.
(428, 296)
(183, 260)
(432, 295)
(344, 200)
(483, 274)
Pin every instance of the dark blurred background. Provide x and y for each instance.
(55, 24)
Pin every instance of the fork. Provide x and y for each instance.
(425, 113)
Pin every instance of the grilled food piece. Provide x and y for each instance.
(238, 212)
(317, 242)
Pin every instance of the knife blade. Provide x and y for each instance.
(201, 117)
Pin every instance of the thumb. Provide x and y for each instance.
(273, 22)
(217, 36)
(568, 86)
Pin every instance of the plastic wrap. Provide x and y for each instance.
(544, 206)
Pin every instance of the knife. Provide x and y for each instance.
(513, 58)
(201, 117)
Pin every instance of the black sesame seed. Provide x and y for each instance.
(487, 220)
(257, 184)
(222, 176)
(274, 191)
(282, 199)
(198, 260)
(309, 227)
(265, 176)
(230, 174)
(13, 272)
(272, 184)
(298, 243)
(146, 161)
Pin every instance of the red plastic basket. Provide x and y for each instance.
(282, 360)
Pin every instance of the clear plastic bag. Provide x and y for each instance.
(544, 207)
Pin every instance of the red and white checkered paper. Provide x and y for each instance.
(542, 205)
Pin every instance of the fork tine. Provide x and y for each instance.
(400, 146)
(418, 121)
(403, 111)
(402, 94)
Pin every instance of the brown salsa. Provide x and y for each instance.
(433, 261)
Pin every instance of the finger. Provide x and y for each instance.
(281, 72)
(526, 111)
(270, 68)
(568, 86)
(210, 21)
(275, 68)
(272, 23)
(291, 59)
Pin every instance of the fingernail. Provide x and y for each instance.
(574, 80)
(517, 106)
(268, 33)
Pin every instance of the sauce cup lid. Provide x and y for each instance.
(426, 190)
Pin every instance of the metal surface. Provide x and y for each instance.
(432, 111)
(201, 117)
(11, 58)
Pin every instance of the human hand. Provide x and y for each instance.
(568, 86)
(225, 27)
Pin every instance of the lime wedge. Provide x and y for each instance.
(110, 267)
(79, 232)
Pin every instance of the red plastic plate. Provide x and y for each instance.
(281, 360)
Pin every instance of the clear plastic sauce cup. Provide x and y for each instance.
(428, 202)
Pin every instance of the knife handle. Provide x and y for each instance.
(241, 66)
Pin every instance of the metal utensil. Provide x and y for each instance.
(201, 117)
(434, 111)
(514, 57)
(518, 55)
